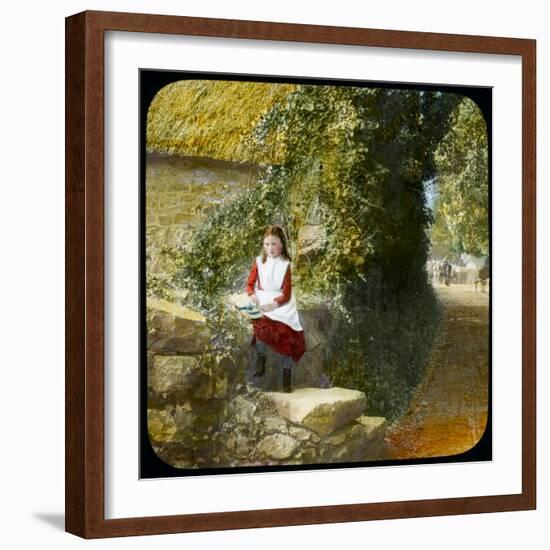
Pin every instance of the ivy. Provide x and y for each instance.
(354, 161)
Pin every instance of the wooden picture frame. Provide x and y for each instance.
(85, 265)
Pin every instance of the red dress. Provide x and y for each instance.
(277, 335)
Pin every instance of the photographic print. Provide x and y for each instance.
(314, 217)
(315, 273)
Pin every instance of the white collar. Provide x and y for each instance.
(277, 259)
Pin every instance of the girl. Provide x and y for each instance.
(270, 288)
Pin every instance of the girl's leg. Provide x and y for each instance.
(287, 373)
(259, 358)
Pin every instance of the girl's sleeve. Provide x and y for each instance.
(287, 289)
(252, 278)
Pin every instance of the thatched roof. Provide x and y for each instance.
(211, 119)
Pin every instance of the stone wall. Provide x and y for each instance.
(256, 432)
(187, 387)
(179, 191)
(203, 413)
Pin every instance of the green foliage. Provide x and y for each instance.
(359, 155)
(221, 250)
(364, 161)
(461, 210)
(355, 160)
(384, 349)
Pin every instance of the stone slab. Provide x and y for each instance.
(320, 410)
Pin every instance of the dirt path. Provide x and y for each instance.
(448, 414)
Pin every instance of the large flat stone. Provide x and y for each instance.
(175, 329)
(320, 410)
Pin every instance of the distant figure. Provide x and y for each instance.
(447, 271)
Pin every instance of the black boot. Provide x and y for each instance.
(259, 369)
(287, 380)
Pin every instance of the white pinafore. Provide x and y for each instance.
(271, 275)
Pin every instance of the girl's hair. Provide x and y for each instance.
(276, 231)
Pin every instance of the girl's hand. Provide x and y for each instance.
(268, 307)
(254, 299)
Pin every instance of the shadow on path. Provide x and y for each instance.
(448, 414)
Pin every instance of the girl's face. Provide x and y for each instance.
(272, 246)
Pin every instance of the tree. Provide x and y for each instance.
(461, 220)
